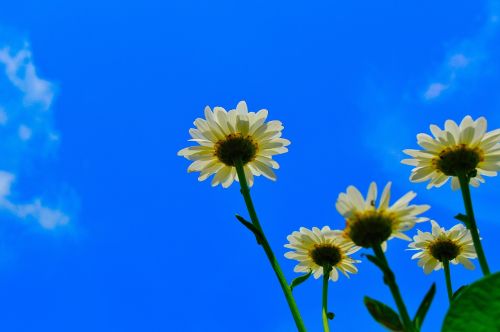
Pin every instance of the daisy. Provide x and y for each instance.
(226, 138)
(320, 249)
(454, 245)
(369, 225)
(465, 149)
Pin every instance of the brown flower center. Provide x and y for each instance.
(236, 147)
(326, 255)
(444, 249)
(457, 160)
(370, 228)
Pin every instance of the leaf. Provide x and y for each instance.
(424, 307)
(297, 281)
(251, 227)
(387, 272)
(477, 308)
(383, 314)
(330, 315)
(375, 261)
(463, 218)
(459, 291)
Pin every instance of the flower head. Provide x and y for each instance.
(368, 225)
(237, 136)
(457, 149)
(454, 245)
(317, 249)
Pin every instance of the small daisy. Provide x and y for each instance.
(457, 149)
(454, 245)
(321, 248)
(368, 225)
(224, 138)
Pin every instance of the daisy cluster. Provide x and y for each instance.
(237, 145)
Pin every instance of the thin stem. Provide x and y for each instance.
(390, 280)
(471, 224)
(446, 267)
(324, 313)
(245, 191)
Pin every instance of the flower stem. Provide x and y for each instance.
(471, 224)
(326, 278)
(245, 191)
(390, 280)
(446, 267)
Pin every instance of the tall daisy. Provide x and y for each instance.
(438, 248)
(238, 145)
(369, 224)
(322, 252)
(457, 149)
(225, 138)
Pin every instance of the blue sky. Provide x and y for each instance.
(102, 228)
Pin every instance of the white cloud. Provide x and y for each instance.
(466, 57)
(458, 61)
(434, 90)
(451, 71)
(6, 180)
(47, 217)
(21, 72)
(26, 133)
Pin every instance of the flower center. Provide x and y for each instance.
(326, 255)
(370, 228)
(236, 147)
(458, 159)
(444, 249)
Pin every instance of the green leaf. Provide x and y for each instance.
(463, 218)
(330, 315)
(381, 265)
(459, 291)
(297, 281)
(251, 227)
(477, 308)
(375, 261)
(424, 307)
(384, 314)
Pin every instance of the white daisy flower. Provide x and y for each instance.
(319, 248)
(457, 149)
(368, 225)
(225, 137)
(454, 245)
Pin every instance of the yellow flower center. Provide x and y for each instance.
(458, 159)
(370, 228)
(326, 255)
(236, 147)
(443, 249)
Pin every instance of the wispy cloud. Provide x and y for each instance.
(435, 90)
(26, 134)
(467, 56)
(469, 60)
(21, 72)
(47, 217)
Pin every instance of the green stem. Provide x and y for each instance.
(390, 280)
(471, 224)
(446, 267)
(326, 278)
(245, 191)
